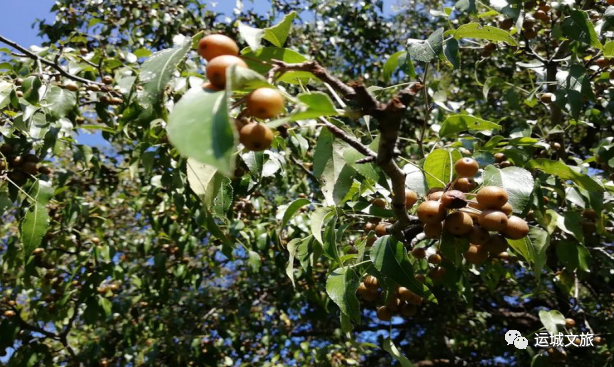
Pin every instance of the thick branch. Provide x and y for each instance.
(389, 116)
(52, 64)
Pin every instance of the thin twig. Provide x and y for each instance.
(52, 64)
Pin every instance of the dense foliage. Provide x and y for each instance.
(183, 238)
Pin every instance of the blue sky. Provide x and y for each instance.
(23, 13)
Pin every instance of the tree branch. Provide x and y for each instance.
(52, 64)
(389, 116)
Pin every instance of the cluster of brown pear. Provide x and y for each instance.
(486, 220)
(20, 167)
(222, 52)
(403, 303)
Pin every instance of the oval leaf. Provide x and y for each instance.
(199, 128)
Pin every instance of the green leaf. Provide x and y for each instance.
(551, 320)
(394, 62)
(331, 168)
(227, 245)
(427, 50)
(266, 54)
(390, 258)
(292, 209)
(6, 89)
(540, 241)
(201, 180)
(278, 33)
(451, 51)
(477, 31)
(491, 82)
(293, 247)
(224, 197)
(564, 172)
(578, 27)
(453, 247)
(439, 168)
(466, 6)
(30, 87)
(238, 78)
(571, 223)
(254, 261)
(394, 352)
(252, 36)
(341, 287)
(517, 182)
(59, 102)
(36, 219)
(319, 217)
(199, 128)
(106, 305)
(533, 248)
(608, 49)
(157, 72)
(316, 104)
(457, 123)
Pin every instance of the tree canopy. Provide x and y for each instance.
(332, 184)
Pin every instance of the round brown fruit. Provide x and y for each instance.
(371, 295)
(589, 214)
(418, 252)
(410, 198)
(517, 228)
(435, 196)
(382, 229)
(602, 62)
(466, 167)
(369, 227)
(492, 197)
(393, 304)
(476, 254)
(408, 310)
(433, 191)
(454, 199)
(431, 212)
(421, 278)
(371, 282)
(384, 313)
(500, 157)
(465, 184)
(437, 274)
(9, 313)
(478, 235)
(256, 137)
(433, 230)
(506, 24)
(569, 323)
(546, 98)
(379, 202)
(496, 245)
(507, 209)
(208, 87)
(435, 259)
(264, 103)
(216, 45)
(458, 223)
(216, 69)
(493, 220)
